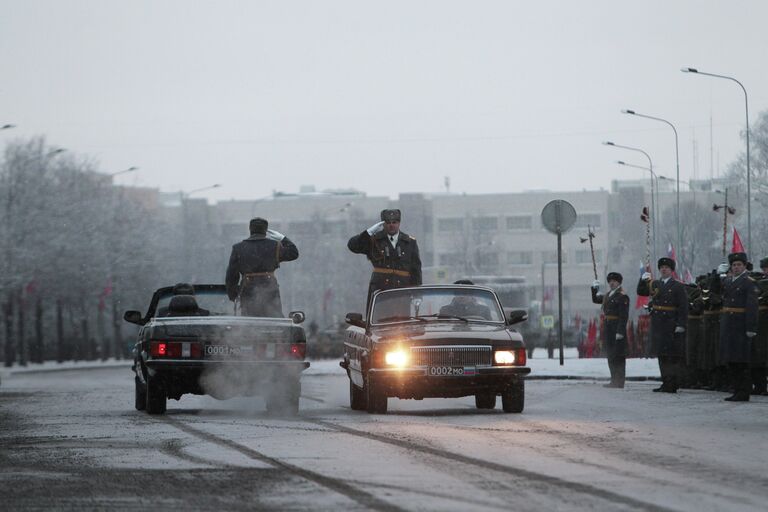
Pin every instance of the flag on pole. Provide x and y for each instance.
(671, 255)
(642, 301)
(688, 276)
(737, 246)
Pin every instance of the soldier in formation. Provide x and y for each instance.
(615, 308)
(738, 325)
(669, 318)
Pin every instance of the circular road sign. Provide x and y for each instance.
(558, 216)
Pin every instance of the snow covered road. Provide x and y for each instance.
(72, 440)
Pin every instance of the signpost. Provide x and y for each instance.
(558, 217)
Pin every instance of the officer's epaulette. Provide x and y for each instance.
(408, 237)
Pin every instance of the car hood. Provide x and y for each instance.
(227, 328)
(446, 333)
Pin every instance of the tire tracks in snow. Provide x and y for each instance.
(585, 489)
(339, 486)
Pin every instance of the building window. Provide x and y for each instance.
(585, 256)
(520, 222)
(450, 225)
(304, 227)
(450, 259)
(485, 223)
(490, 259)
(520, 258)
(550, 257)
(588, 219)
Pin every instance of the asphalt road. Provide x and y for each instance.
(72, 440)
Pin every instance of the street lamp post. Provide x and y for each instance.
(749, 174)
(130, 169)
(650, 168)
(654, 202)
(677, 166)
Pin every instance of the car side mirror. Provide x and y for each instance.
(515, 316)
(297, 316)
(134, 317)
(355, 319)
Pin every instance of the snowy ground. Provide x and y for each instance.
(72, 440)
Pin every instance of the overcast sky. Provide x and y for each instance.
(385, 97)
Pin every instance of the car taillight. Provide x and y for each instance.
(298, 350)
(521, 358)
(158, 349)
(176, 349)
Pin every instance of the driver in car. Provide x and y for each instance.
(465, 305)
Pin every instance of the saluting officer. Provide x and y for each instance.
(669, 317)
(615, 308)
(393, 254)
(251, 270)
(738, 325)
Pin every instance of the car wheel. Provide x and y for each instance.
(485, 400)
(283, 399)
(357, 398)
(156, 399)
(513, 397)
(376, 401)
(141, 395)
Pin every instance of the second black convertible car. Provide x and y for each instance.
(435, 341)
(194, 343)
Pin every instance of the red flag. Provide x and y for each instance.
(737, 246)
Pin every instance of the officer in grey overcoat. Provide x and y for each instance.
(615, 309)
(669, 318)
(738, 325)
(251, 271)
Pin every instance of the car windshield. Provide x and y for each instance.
(458, 304)
(214, 302)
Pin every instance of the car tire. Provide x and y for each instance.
(357, 398)
(283, 400)
(513, 397)
(141, 395)
(156, 399)
(376, 401)
(485, 400)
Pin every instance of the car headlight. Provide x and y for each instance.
(398, 358)
(504, 357)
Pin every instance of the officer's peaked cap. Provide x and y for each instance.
(738, 256)
(764, 263)
(666, 261)
(390, 215)
(614, 276)
(258, 226)
(463, 281)
(183, 289)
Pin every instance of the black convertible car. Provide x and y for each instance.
(435, 341)
(194, 343)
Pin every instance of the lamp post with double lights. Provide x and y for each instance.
(749, 174)
(677, 166)
(654, 201)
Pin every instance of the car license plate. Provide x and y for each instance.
(448, 371)
(227, 350)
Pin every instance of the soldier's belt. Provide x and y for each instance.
(762, 308)
(712, 312)
(253, 275)
(611, 317)
(733, 310)
(665, 308)
(401, 273)
(694, 317)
